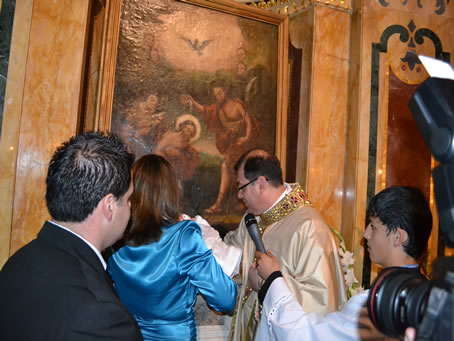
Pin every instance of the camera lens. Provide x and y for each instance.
(397, 300)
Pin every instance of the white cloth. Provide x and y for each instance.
(228, 256)
(283, 318)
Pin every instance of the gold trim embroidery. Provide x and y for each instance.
(292, 201)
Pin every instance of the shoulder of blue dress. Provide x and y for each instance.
(188, 224)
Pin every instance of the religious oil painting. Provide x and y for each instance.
(197, 84)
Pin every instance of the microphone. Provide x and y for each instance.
(253, 229)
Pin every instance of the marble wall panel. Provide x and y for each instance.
(11, 121)
(6, 30)
(328, 112)
(356, 159)
(49, 108)
(324, 35)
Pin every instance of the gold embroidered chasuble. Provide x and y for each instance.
(307, 252)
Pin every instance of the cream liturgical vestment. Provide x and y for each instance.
(307, 252)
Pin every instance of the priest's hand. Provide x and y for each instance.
(266, 264)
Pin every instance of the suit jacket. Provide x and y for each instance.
(55, 288)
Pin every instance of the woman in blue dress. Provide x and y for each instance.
(165, 263)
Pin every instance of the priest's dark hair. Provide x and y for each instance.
(259, 162)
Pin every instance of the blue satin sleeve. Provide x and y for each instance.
(204, 272)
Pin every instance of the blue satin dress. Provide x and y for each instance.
(159, 282)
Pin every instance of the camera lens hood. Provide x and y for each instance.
(397, 300)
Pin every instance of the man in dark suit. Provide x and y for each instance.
(56, 287)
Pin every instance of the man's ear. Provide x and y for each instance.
(107, 205)
(261, 180)
(400, 237)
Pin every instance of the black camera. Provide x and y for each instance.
(401, 297)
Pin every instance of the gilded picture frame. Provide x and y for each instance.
(197, 82)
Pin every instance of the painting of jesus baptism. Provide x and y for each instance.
(197, 86)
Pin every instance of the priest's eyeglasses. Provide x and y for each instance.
(245, 185)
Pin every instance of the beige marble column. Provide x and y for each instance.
(323, 32)
(41, 109)
(11, 121)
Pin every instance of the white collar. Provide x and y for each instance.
(103, 262)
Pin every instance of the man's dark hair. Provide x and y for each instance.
(404, 207)
(82, 171)
(258, 162)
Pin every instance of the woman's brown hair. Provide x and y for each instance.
(155, 200)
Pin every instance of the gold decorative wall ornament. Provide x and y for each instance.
(290, 7)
